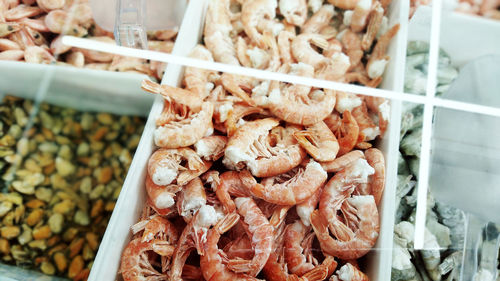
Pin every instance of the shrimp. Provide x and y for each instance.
(305, 209)
(241, 52)
(342, 162)
(319, 142)
(378, 58)
(264, 154)
(13, 55)
(217, 32)
(284, 41)
(376, 181)
(360, 213)
(165, 167)
(234, 84)
(344, 4)
(294, 106)
(136, 264)
(211, 262)
(35, 54)
(192, 237)
(295, 241)
(292, 188)
(348, 272)
(211, 148)
(233, 183)
(294, 11)
(188, 130)
(21, 11)
(352, 45)
(334, 47)
(303, 51)
(98, 56)
(7, 28)
(6, 44)
(239, 111)
(57, 47)
(241, 248)
(319, 19)
(162, 197)
(360, 15)
(347, 134)
(196, 79)
(347, 101)
(260, 231)
(252, 13)
(160, 228)
(35, 24)
(191, 199)
(23, 38)
(374, 23)
(48, 5)
(334, 68)
(381, 107)
(367, 127)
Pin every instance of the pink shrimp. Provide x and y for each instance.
(342, 162)
(378, 58)
(360, 213)
(6, 44)
(241, 248)
(379, 106)
(239, 112)
(260, 231)
(162, 197)
(376, 181)
(319, 19)
(7, 28)
(191, 198)
(284, 41)
(35, 54)
(22, 11)
(211, 262)
(367, 127)
(305, 209)
(295, 243)
(344, 4)
(211, 148)
(360, 15)
(13, 55)
(374, 23)
(291, 188)
(319, 142)
(347, 134)
(252, 13)
(303, 51)
(233, 183)
(196, 79)
(264, 148)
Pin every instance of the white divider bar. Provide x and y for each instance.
(269, 75)
(425, 149)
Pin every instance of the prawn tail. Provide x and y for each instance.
(240, 266)
(279, 216)
(150, 86)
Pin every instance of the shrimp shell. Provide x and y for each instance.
(254, 12)
(319, 142)
(296, 260)
(196, 79)
(191, 199)
(135, 264)
(378, 58)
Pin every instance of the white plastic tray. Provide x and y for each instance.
(132, 197)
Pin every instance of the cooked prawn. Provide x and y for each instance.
(344, 4)
(294, 11)
(319, 19)
(360, 213)
(305, 209)
(284, 41)
(293, 187)
(261, 233)
(21, 11)
(216, 33)
(360, 15)
(235, 85)
(48, 5)
(303, 51)
(347, 134)
(295, 243)
(252, 13)
(376, 181)
(381, 107)
(233, 183)
(161, 197)
(35, 54)
(211, 148)
(367, 127)
(191, 199)
(378, 58)
(319, 142)
(374, 23)
(7, 28)
(198, 80)
(165, 167)
(6, 44)
(342, 162)
(252, 146)
(135, 263)
(237, 114)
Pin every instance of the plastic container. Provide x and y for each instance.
(132, 198)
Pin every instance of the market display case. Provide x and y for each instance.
(396, 255)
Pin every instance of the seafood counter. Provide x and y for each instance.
(266, 180)
(61, 173)
(32, 31)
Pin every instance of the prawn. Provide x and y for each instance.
(293, 187)
(48, 5)
(360, 213)
(342, 162)
(319, 19)
(369, 131)
(256, 11)
(292, 105)
(164, 166)
(347, 134)
(360, 15)
(211, 262)
(374, 23)
(191, 199)
(318, 141)
(381, 107)
(347, 101)
(264, 147)
(7, 28)
(211, 148)
(217, 32)
(161, 197)
(233, 183)
(192, 237)
(284, 41)
(196, 79)
(235, 85)
(35, 54)
(294, 11)
(13, 55)
(376, 181)
(21, 11)
(344, 4)
(305, 208)
(352, 45)
(295, 248)
(239, 111)
(260, 231)
(303, 51)
(187, 131)
(378, 58)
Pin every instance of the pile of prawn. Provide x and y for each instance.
(32, 30)
(263, 180)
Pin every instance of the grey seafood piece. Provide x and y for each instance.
(446, 75)
(454, 219)
(415, 81)
(402, 267)
(441, 232)
(406, 124)
(431, 255)
(410, 145)
(402, 166)
(413, 164)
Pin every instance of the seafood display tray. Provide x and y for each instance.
(133, 196)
